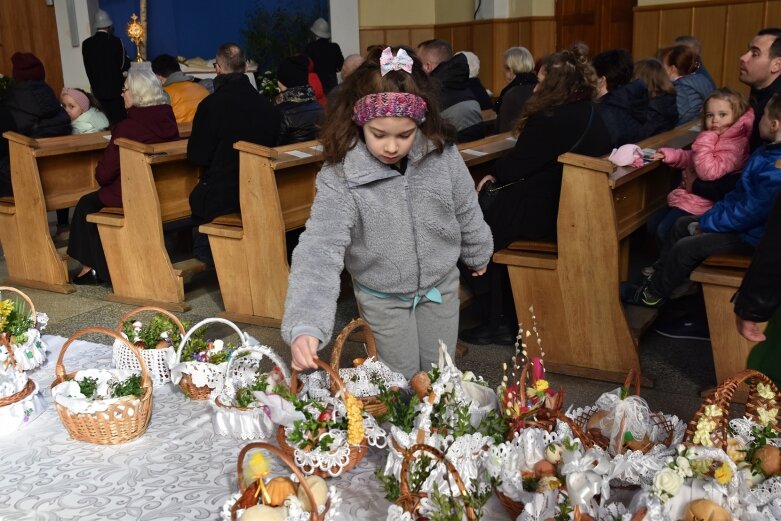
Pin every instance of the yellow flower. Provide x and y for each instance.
(702, 437)
(713, 411)
(764, 391)
(6, 307)
(704, 424)
(541, 386)
(257, 466)
(723, 474)
(767, 417)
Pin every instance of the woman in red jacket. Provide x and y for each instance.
(149, 120)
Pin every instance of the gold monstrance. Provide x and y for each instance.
(135, 31)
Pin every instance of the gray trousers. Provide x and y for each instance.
(407, 340)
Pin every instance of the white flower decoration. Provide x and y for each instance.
(667, 482)
(766, 417)
(683, 467)
(764, 391)
(713, 411)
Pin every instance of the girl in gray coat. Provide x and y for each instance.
(395, 206)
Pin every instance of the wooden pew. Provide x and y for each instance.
(573, 286)
(156, 183)
(47, 174)
(721, 276)
(277, 191)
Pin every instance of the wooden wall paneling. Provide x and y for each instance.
(705, 24)
(543, 38)
(505, 35)
(617, 24)
(674, 23)
(461, 39)
(525, 36)
(743, 22)
(772, 14)
(483, 47)
(443, 32)
(420, 34)
(400, 36)
(369, 37)
(645, 37)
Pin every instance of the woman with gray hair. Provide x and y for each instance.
(521, 79)
(149, 120)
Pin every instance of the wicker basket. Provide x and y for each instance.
(357, 452)
(216, 373)
(157, 358)
(540, 417)
(249, 495)
(722, 398)
(592, 437)
(22, 356)
(123, 421)
(410, 501)
(244, 423)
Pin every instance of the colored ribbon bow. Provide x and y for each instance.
(389, 62)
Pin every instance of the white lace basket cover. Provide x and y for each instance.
(156, 361)
(295, 512)
(763, 498)
(31, 353)
(202, 374)
(362, 381)
(253, 422)
(18, 414)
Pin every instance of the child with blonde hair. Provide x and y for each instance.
(83, 109)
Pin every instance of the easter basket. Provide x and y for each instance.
(157, 357)
(363, 381)
(278, 493)
(246, 405)
(104, 421)
(199, 378)
(659, 431)
(20, 338)
(530, 402)
(330, 451)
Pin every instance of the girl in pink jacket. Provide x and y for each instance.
(721, 148)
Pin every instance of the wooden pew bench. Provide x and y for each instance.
(156, 183)
(573, 285)
(47, 174)
(277, 191)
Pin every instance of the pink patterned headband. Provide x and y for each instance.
(79, 97)
(394, 104)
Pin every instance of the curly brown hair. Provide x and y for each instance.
(340, 134)
(568, 78)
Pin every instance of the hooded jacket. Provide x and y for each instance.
(690, 94)
(153, 124)
(91, 121)
(660, 116)
(623, 110)
(459, 106)
(395, 233)
(36, 110)
(185, 95)
(745, 209)
(711, 157)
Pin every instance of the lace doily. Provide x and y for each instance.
(157, 361)
(29, 354)
(362, 381)
(18, 415)
(68, 393)
(11, 381)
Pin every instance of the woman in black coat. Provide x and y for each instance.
(559, 117)
(521, 79)
(662, 113)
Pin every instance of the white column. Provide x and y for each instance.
(344, 25)
(70, 31)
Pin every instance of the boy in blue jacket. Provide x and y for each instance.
(733, 225)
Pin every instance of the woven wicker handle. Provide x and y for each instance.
(24, 297)
(334, 375)
(371, 343)
(633, 377)
(199, 325)
(60, 368)
(138, 311)
(257, 352)
(286, 460)
(404, 491)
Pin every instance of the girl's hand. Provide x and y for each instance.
(484, 180)
(479, 271)
(658, 156)
(304, 350)
(749, 330)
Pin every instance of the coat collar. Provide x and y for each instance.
(361, 167)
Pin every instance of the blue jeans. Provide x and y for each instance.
(682, 253)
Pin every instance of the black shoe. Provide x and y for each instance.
(87, 279)
(640, 296)
(687, 327)
(503, 334)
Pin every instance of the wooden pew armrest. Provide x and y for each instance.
(735, 261)
(527, 259)
(7, 205)
(229, 226)
(108, 217)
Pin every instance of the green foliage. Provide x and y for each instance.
(390, 484)
(18, 325)
(267, 85)
(88, 386)
(131, 386)
(274, 35)
(151, 331)
(401, 412)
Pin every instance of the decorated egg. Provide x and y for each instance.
(264, 513)
(319, 490)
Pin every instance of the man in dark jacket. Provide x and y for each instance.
(33, 108)
(301, 113)
(326, 55)
(459, 106)
(760, 69)
(105, 62)
(235, 112)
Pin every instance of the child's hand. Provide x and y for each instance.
(749, 330)
(658, 156)
(304, 351)
(479, 271)
(484, 180)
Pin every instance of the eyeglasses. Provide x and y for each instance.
(124, 90)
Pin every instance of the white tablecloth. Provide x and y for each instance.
(178, 470)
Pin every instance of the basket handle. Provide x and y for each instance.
(196, 327)
(586, 440)
(130, 314)
(404, 491)
(722, 397)
(633, 377)
(23, 295)
(258, 352)
(60, 368)
(336, 352)
(286, 460)
(324, 366)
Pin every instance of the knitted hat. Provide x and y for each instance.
(78, 97)
(27, 66)
(102, 19)
(294, 71)
(321, 28)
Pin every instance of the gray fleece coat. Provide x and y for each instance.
(398, 234)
